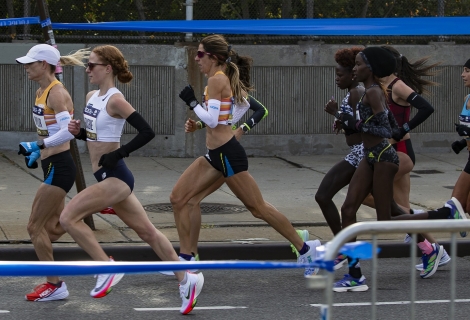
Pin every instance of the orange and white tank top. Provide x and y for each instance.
(226, 106)
(44, 117)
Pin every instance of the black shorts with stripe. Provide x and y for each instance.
(59, 170)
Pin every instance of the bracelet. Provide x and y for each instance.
(199, 125)
(81, 135)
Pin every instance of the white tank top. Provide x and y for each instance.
(100, 126)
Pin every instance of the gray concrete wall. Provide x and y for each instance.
(293, 82)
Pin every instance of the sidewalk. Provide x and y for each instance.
(289, 183)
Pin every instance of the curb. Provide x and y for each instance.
(209, 251)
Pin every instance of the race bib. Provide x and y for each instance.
(90, 114)
(39, 121)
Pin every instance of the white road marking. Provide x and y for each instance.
(355, 304)
(197, 308)
(4, 311)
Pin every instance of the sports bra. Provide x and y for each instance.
(464, 117)
(100, 126)
(401, 113)
(226, 106)
(379, 124)
(43, 116)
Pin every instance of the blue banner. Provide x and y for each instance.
(429, 26)
(301, 27)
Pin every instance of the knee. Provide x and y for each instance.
(176, 201)
(259, 212)
(321, 198)
(65, 220)
(148, 235)
(347, 215)
(33, 230)
(54, 237)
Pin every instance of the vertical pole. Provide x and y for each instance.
(310, 9)
(440, 13)
(27, 13)
(189, 16)
(49, 37)
(453, 271)
(374, 278)
(413, 276)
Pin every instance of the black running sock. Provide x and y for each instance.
(185, 256)
(58, 284)
(304, 249)
(441, 213)
(354, 269)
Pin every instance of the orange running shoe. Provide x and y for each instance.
(48, 292)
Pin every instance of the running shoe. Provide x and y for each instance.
(171, 273)
(456, 212)
(48, 292)
(340, 260)
(349, 283)
(108, 210)
(190, 290)
(407, 239)
(309, 257)
(431, 261)
(303, 234)
(444, 260)
(105, 283)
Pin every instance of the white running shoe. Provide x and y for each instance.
(105, 283)
(309, 257)
(190, 290)
(444, 260)
(171, 273)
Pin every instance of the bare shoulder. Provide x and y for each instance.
(59, 99)
(89, 94)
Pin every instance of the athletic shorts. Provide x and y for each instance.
(355, 155)
(59, 170)
(467, 166)
(229, 159)
(120, 172)
(381, 152)
(405, 147)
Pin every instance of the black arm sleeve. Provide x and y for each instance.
(142, 138)
(81, 135)
(260, 112)
(424, 109)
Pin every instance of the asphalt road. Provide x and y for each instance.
(243, 294)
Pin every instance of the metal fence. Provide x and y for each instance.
(113, 10)
(375, 228)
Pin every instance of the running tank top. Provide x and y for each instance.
(401, 113)
(100, 126)
(44, 117)
(226, 106)
(464, 117)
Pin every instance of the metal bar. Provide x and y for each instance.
(413, 276)
(326, 310)
(189, 16)
(374, 278)
(377, 227)
(49, 37)
(453, 271)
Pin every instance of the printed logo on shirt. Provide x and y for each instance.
(90, 114)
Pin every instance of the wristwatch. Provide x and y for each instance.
(406, 127)
(244, 127)
(192, 104)
(40, 144)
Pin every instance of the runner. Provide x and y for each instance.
(225, 157)
(105, 115)
(52, 111)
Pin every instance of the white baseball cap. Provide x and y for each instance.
(41, 52)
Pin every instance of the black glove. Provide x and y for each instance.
(398, 134)
(462, 129)
(350, 124)
(459, 145)
(110, 160)
(187, 95)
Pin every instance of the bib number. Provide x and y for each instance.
(39, 121)
(90, 114)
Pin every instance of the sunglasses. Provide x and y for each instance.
(91, 65)
(200, 54)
